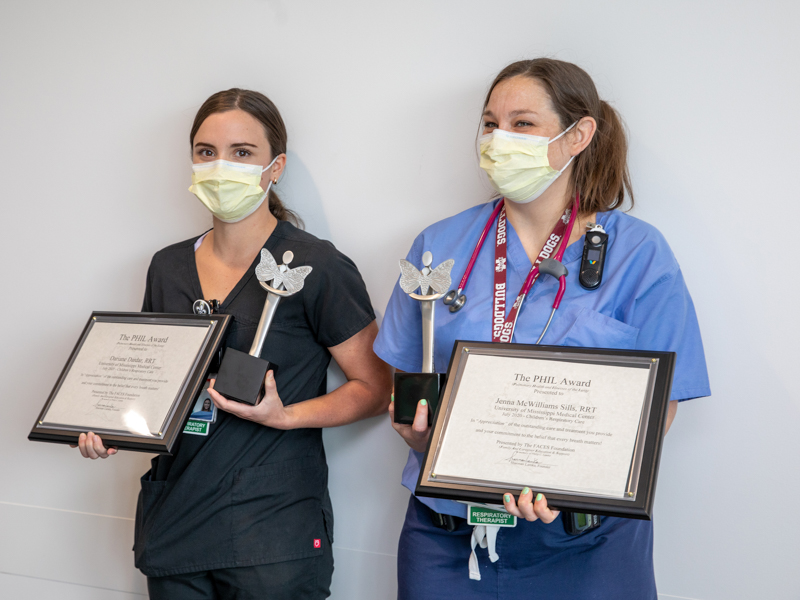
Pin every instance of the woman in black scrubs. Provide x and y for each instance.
(244, 511)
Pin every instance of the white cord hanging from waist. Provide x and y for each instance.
(483, 536)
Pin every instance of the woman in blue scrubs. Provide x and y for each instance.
(546, 139)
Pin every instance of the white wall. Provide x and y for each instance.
(382, 103)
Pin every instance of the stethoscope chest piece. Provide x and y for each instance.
(455, 300)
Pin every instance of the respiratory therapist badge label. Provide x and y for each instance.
(480, 515)
(196, 427)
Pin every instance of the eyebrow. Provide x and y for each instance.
(236, 145)
(513, 113)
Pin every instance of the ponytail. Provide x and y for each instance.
(600, 172)
(279, 210)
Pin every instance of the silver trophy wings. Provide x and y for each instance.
(291, 279)
(285, 282)
(438, 280)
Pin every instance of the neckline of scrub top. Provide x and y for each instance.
(269, 244)
(522, 264)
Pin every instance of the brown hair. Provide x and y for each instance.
(600, 173)
(261, 108)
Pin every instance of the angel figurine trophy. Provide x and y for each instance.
(410, 388)
(241, 376)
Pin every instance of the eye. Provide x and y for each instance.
(489, 125)
(205, 152)
(523, 124)
(242, 153)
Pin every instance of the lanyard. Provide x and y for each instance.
(502, 326)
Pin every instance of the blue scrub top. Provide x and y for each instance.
(641, 304)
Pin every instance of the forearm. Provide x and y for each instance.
(671, 412)
(353, 401)
(366, 393)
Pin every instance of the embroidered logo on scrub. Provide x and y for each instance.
(317, 543)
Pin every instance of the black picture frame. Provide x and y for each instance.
(193, 383)
(638, 506)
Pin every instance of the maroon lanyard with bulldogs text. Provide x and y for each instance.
(502, 326)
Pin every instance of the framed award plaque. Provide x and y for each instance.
(584, 426)
(132, 378)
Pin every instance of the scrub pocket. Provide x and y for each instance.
(277, 511)
(149, 496)
(592, 329)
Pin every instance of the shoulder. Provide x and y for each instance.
(461, 221)
(639, 244)
(308, 248)
(334, 296)
(451, 232)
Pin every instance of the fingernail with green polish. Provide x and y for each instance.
(423, 402)
(525, 491)
(392, 400)
(507, 497)
(539, 497)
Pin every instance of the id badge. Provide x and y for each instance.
(481, 514)
(204, 412)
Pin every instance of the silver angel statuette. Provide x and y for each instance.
(437, 279)
(285, 282)
(282, 276)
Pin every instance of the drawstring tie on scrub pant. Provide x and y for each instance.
(483, 536)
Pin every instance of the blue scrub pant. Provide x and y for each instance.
(537, 561)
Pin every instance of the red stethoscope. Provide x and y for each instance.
(544, 264)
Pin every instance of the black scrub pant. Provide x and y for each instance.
(305, 578)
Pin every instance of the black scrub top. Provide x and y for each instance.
(247, 494)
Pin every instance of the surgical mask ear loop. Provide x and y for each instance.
(269, 185)
(273, 162)
(571, 158)
(562, 133)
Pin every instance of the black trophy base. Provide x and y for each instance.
(241, 376)
(410, 388)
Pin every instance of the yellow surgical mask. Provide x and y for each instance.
(230, 190)
(517, 164)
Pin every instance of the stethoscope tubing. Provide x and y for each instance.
(456, 298)
(479, 245)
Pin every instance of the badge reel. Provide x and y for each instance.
(594, 257)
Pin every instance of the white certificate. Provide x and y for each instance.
(552, 425)
(126, 377)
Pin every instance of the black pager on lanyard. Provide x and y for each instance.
(578, 523)
(594, 257)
